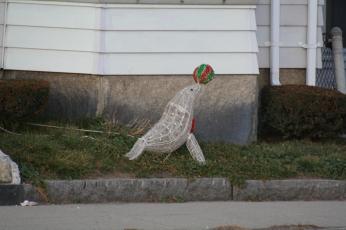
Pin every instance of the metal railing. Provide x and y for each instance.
(325, 76)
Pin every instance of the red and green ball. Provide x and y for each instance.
(203, 74)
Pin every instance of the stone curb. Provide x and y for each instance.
(134, 190)
(288, 190)
(182, 189)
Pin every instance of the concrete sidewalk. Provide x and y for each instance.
(194, 215)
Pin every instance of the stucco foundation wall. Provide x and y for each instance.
(287, 77)
(227, 111)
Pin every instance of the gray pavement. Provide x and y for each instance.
(194, 215)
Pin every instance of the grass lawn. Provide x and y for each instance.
(44, 153)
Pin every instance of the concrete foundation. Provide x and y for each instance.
(227, 111)
(287, 77)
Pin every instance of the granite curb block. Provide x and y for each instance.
(182, 189)
(134, 190)
(288, 190)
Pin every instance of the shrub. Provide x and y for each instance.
(21, 100)
(299, 111)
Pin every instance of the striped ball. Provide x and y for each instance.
(203, 74)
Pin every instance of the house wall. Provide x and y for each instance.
(109, 46)
(293, 33)
(130, 39)
(227, 111)
(84, 42)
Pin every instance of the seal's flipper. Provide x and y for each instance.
(194, 149)
(136, 150)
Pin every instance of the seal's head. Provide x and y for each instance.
(193, 90)
(186, 97)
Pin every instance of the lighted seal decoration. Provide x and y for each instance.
(177, 123)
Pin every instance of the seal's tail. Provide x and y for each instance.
(137, 149)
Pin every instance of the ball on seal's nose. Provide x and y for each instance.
(203, 74)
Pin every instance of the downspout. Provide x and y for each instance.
(275, 43)
(4, 36)
(103, 86)
(312, 43)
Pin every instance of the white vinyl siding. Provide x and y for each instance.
(130, 39)
(153, 39)
(293, 33)
(51, 60)
(129, 42)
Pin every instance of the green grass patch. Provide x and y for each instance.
(64, 154)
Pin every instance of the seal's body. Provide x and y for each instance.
(174, 127)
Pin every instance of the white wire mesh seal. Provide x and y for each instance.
(173, 129)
